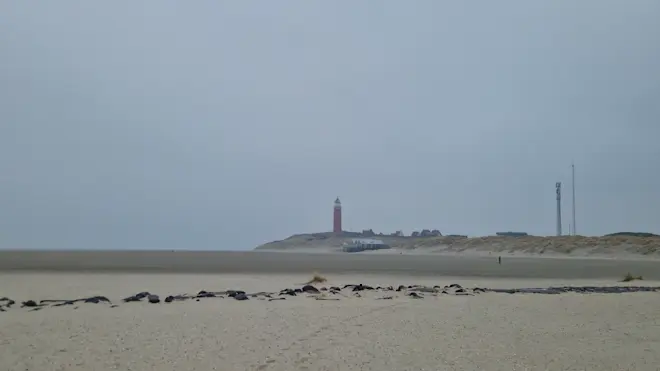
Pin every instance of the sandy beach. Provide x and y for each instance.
(489, 331)
(408, 263)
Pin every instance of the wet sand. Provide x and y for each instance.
(488, 331)
(275, 262)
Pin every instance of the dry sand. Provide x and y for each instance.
(484, 332)
(409, 264)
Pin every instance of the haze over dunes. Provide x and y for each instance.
(616, 245)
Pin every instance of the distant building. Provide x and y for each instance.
(368, 233)
(433, 233)
(457, 235)
(426, 233)
(512, 234)
(364, 244)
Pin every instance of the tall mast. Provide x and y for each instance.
(558, 188)
(573, 184)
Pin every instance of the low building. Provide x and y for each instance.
(426, 233)
(364, 244)
(512, 234)
(368, 233)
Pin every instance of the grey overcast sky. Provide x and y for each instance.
(226, 124)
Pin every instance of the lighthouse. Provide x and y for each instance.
(336, 225)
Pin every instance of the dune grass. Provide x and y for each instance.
(316, 278)
(629, 277)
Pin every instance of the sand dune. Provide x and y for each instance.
(579, 246)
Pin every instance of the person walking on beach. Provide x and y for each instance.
(499, 260)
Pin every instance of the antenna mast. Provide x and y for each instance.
(558, 186)
(573, 184)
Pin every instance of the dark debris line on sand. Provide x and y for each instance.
(412, 291)
(579, 290)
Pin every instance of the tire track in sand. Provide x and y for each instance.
(301, 360)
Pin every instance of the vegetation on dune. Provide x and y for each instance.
(317, 278)
(629, 277)
(633, 234)
(635, 243)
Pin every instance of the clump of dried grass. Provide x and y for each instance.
(317, 278)
(629, 277)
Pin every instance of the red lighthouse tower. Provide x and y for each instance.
(336, 225)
